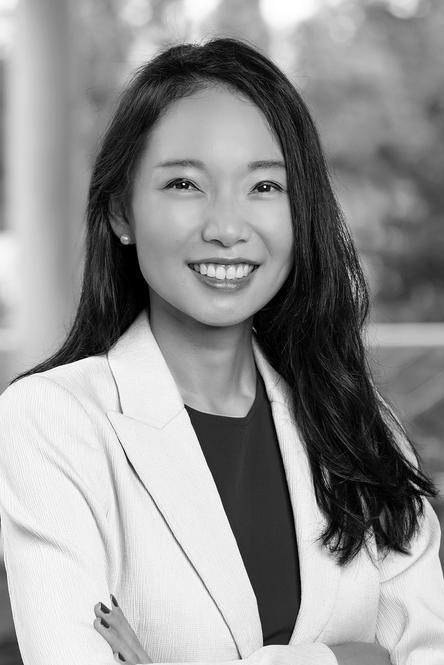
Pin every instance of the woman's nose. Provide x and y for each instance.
(225, 221)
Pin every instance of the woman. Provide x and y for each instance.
(207, 445)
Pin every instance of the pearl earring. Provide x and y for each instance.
(125, 240)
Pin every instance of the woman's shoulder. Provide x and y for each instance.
(52, 426)
(87, 381)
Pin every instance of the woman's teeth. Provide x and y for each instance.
(221, 272)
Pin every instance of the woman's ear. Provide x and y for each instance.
(120, 224)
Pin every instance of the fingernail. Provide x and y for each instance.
(104, 623)
(114, 601)
(104, 608)
(120, 657)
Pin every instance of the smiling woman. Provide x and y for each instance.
(208, 445)
(210, 189)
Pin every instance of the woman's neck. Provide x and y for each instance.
(213, 366)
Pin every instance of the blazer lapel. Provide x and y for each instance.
(158, 438)
(319, 572)
(171, 465)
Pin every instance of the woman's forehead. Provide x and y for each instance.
(213, 125)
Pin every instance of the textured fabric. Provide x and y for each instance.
(244, 458)
(104, 489)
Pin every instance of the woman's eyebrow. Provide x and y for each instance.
(198, 164)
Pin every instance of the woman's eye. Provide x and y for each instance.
(267, 187)
(181, 185)
(184, 185)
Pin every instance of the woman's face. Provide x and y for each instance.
(211, 185)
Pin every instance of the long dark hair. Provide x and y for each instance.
(310, 331)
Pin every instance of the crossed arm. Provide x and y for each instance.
(112, 625)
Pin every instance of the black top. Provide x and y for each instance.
(244, 457)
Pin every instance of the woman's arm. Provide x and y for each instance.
(410, 621)
(53, 500)
(411, 608)
(113, 626)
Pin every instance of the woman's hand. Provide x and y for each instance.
(113, 626)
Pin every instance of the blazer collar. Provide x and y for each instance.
(156, 433)
(136, 358)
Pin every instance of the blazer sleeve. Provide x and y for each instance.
(53, 511)
(53, 502)
(410, 622)
(305, 653)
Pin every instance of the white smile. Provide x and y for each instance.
(223, 272)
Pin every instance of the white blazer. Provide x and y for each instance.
(104, 489)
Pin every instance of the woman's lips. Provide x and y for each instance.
(224, 284)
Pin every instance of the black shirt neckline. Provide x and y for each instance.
(232, 420)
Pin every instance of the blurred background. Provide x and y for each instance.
(372, 74)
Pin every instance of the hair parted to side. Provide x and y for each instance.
(310, 331)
